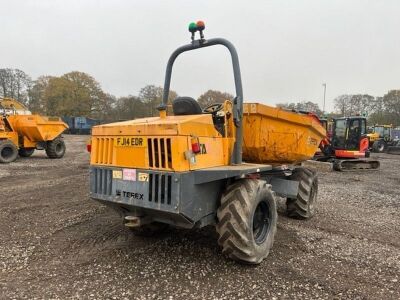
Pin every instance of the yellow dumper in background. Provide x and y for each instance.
(21, 132)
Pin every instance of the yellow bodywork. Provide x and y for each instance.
(373, 137)
(376, 135)
(26, 130)
(274, 135)
(270, 135)
(164, 142)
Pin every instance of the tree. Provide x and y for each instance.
(130, 107)
(15, 84)
(86, 96)
(342, 104)
(391, 102)
(104, 108)
(378, 114)
(211, 97)
(151, 95)
(37, 102)
(350, 105)
(73, 94)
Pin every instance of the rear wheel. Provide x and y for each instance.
(8, 151)
(379, 146)
(303, 207)
(26, 152)
(55, 148)
(247, 221)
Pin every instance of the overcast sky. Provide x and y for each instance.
(287, 49)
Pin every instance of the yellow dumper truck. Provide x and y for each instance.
(21, 132)
(222, 165)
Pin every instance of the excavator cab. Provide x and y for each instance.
(350, 134)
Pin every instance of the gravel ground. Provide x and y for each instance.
(56, 243)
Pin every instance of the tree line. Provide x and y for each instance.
(379, 110)
(79, 94)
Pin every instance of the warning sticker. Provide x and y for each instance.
(143, 177)
(117, 174)
(129, 174)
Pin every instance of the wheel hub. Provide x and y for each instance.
(7, 152)
(261, 222)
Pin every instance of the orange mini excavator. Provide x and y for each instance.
(347, 147)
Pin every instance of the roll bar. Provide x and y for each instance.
(237, 101)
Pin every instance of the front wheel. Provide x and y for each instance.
(8, 151)
(247, 220)
(55, 148)
(303, 207)
(379, 146)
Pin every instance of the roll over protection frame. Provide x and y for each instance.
(237, 101)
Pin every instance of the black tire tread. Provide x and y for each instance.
(51, 148)
(8, 143)
(376, 145)
(233, 215)
(298, 207)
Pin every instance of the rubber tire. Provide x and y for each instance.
(379, 146)
(55, 148)
(26, 152)
(303, 207)
(10, 157)
(235, 220)
(150, 229)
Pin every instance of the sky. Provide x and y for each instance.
(287, 49)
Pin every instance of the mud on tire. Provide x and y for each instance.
(55, 148)
(303, 207)
(8, 151)
(247, 220)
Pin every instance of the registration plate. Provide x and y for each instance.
(130, 141)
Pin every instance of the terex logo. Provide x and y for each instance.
(126, 194)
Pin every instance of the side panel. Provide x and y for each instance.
(273, 135)
(165, 153)
(211, 153)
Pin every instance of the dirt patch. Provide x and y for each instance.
(56, 243)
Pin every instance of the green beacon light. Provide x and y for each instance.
(192, 29)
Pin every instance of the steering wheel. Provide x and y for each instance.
(213, 108)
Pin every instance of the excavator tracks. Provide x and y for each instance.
(355, 164)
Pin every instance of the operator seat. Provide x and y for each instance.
(182, 106)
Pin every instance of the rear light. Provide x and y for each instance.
(89, 148)
(195, 145)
